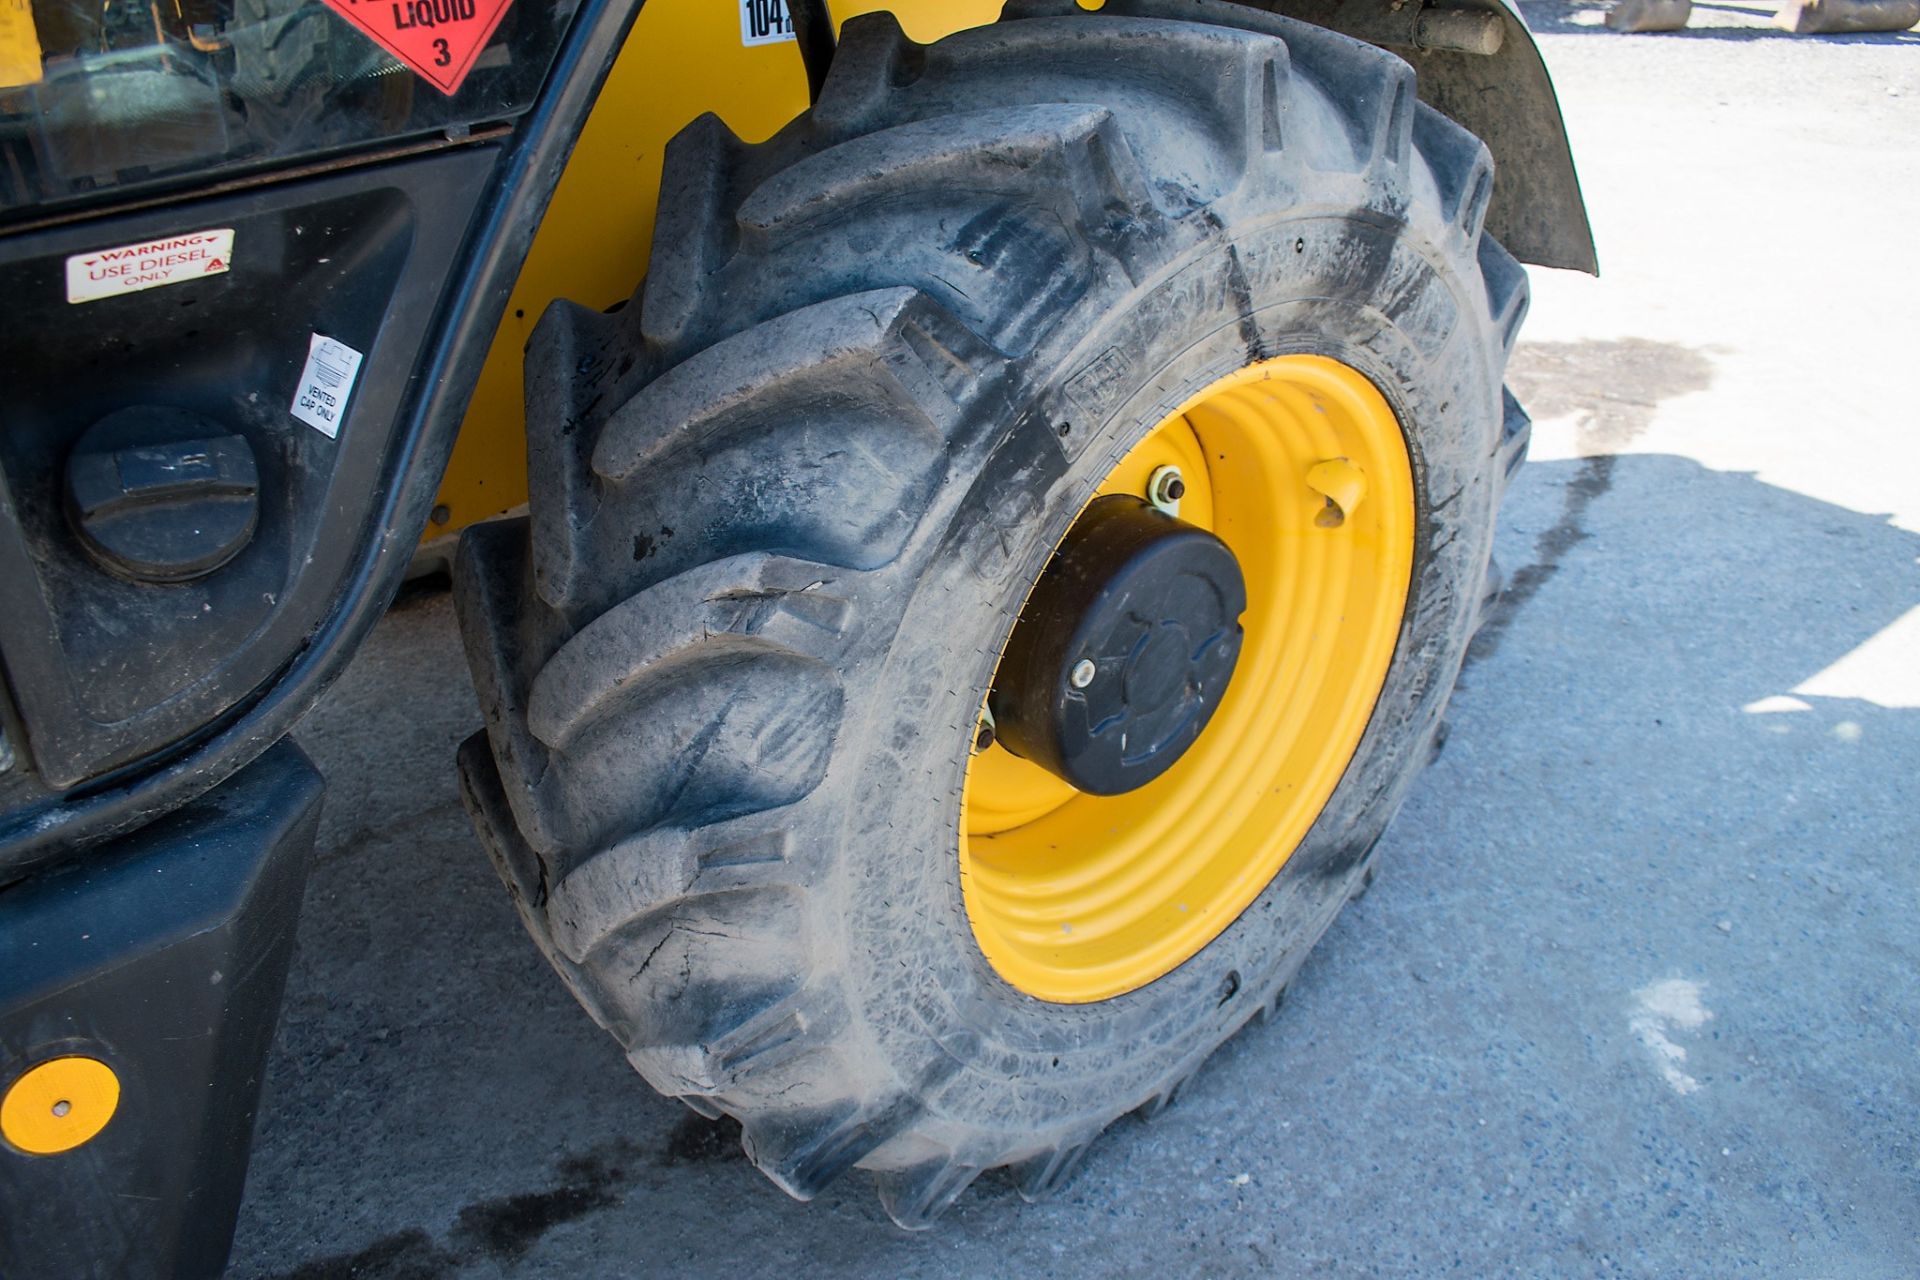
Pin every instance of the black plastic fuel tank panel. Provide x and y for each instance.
(170, 530)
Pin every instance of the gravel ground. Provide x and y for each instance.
(1639, 987)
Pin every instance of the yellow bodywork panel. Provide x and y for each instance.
(683, 59)
(19, 45)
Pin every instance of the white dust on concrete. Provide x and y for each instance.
(1670, 1005)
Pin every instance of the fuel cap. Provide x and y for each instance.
(162, 494)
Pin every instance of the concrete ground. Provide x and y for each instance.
(1639, 990)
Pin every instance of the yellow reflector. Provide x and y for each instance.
(59, 1105)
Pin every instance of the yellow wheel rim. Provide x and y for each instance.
(1298, 464)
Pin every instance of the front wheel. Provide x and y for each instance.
(982, 604)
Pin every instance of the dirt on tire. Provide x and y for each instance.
(787, 504)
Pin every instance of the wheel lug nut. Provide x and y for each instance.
(1083, 673)
(986, 732)
(1165, 487)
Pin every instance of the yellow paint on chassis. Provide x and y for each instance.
(1075, 898)
(682, 59)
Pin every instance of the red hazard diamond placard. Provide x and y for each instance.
(438, 39)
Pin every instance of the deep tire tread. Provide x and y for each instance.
(1040, 1178)
(915, 1196)
(1506, 282)
(694, 218)
(1462, 167)
(721, 466)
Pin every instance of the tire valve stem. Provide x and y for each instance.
(1165, 487)
(1342, 484)
(1083, 673)
(983, 736)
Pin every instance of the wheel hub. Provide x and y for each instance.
(1298, 464)
(1124, 650)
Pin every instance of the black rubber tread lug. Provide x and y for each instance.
(915, 1197)
(858, 337)
(1275, 93)
(1516, 434)
(1375, 91)
(701, 1106)
(508, 634)
(854, 394)
(772, 1056)
(1018, 187)
(1496, 582)
(1153, 1108)
(1374, 88)
(485, 801)
(1215, 93)
(753, 602)
(766, 714)
(722, 731)
(1040, 1177)
(600, 893)
(684, 982)
(1363, 885)
(1506, 282)
(776, 1037)
(989, 145)
(1462, 169)
(576, 360)
(1186, 78)
(692, 231)
(1271, 1006)
(873, 58)
(804, 1151)
(518, 866)
(1070, 157)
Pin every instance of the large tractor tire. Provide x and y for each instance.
(894, 378)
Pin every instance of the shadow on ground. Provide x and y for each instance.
(1470, 1076)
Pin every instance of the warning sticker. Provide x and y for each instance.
(437, 39)
(129, 268)
(325, 384)
(764, 22)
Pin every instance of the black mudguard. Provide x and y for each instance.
(1477, 64)
(163, 955)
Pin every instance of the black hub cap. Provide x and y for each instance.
(1124, 650)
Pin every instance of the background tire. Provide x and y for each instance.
(787, 505)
